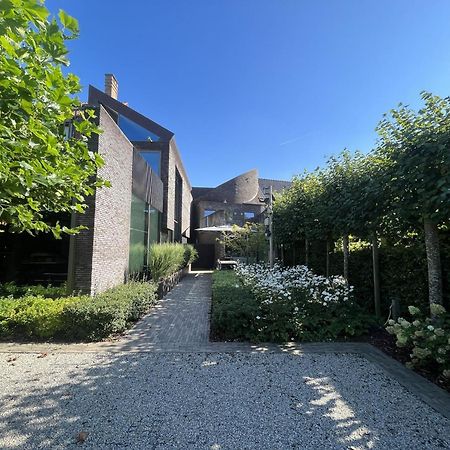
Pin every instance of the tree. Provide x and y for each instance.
(41, 171)
(248, 241)
(417, 148)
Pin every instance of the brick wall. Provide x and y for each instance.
(101, 253)
(171, 161)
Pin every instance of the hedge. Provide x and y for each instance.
(76, 318)
(10, 289)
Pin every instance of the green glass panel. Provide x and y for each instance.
(138, 234)
(154, 225)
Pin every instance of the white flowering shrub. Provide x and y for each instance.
(280, 283)
(428, 338)
(295, 303)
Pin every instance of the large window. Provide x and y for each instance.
(138, 235)
(136, 132)
(155, 226)
(178, 206)
(145, 229)
(153, 159)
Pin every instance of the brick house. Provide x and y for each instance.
(234, 202)
(149, 201)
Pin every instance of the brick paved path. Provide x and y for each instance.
(180, 319)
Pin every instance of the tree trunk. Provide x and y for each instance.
(306, 253)
(376, 274)
(434, 262)
(327, 270)
(346, 252)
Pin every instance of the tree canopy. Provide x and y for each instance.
(42, 170)
(401, 186)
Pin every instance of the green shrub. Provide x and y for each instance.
(165, 259)
(427, 338)
(94, 318)
(246, 309)
(76, 318)
(33, 316)
(11, 289)
(234, 308)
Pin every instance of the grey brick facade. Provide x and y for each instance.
(99, 255)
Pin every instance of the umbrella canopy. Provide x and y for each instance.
(216, 229)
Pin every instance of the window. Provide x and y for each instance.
(138, 235)
(208, 218)
(153, 159)
(155, 226)
(249, 215)
(135, 132)
(178, 206)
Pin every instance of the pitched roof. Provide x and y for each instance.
(98, 97)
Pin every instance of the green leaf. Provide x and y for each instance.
(68, 21)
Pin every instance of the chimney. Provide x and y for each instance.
(111, 85)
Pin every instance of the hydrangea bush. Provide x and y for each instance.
(428, 338)
(296, 304)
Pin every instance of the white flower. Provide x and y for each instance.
(430, 327)
(437, 310)
(413, 310)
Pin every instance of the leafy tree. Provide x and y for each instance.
(41, 171)
(248, 241)
(417, 148)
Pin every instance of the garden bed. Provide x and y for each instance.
(75, 318)
(258, 308)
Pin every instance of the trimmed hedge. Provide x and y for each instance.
(108, 313)
(33, 316)
(10, 289)
(76, 318)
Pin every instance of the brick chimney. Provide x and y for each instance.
(111, 85)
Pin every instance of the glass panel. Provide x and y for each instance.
(178, 206)
(138, 234)
(249, 215)
(154, 226)
(153, 159)
(135, 132)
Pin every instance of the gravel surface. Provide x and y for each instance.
(209, 401)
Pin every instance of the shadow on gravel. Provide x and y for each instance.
(210, 401)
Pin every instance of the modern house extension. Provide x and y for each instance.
(149, 201)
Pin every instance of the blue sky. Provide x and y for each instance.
(277, 85)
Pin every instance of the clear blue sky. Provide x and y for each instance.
(272, 84)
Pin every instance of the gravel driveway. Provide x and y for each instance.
(209, 401)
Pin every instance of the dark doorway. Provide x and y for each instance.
(206, 255)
